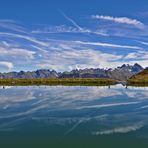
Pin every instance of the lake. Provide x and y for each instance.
(73, 117)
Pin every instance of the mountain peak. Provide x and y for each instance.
(137, 65)
(136, 68)
(119, 73)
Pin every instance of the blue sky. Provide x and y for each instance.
(65, 35)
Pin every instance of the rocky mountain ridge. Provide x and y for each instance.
(120, 73)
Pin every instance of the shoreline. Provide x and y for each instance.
(137, 82)
(61, 81)
(69, 82)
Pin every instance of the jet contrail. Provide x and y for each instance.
(86, 31)
(71, 20)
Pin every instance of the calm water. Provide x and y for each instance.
(73, 117)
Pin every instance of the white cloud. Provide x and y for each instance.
(5, 64)
(125, 129)
(108, 105)
(68, 55)
(26, 37)
(67, 29)
(137, 55)
(12, 25)
(73, 58)
(81, 29)
(122, 20)
(57, 29)
(132, 55)
(65, 51)
(144, 63)
(40, 48)
(144, 43)
(108, 45)
(17, 52)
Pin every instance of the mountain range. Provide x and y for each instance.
(120, 73)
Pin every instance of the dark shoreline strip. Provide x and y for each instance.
(56, 81)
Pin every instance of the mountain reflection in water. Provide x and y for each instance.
(48, 114)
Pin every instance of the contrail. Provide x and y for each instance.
(86, 31)
(82, 30)
(71, 20)
(73, 127)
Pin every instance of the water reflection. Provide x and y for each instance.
(101, 110)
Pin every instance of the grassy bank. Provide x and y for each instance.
(56, 81)
(138, 82)
(141, 79)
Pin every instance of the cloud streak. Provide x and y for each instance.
(7, 65)
(21, 53)
(66, 48)
(68, 29)
(29, 38)
(81, 29)
(122, 130)
(121, 20)
(108, 45)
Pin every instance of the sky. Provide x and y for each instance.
(65, 34)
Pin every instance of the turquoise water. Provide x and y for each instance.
(73, 117)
